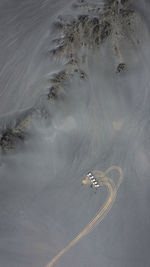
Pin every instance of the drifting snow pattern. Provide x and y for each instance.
(74, 98)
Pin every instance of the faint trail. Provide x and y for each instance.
(112, 188)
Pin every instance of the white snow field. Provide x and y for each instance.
(54, 130)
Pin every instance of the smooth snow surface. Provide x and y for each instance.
(98, 122)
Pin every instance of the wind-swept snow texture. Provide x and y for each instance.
(74, 97)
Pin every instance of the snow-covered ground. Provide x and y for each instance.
(96, 122)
